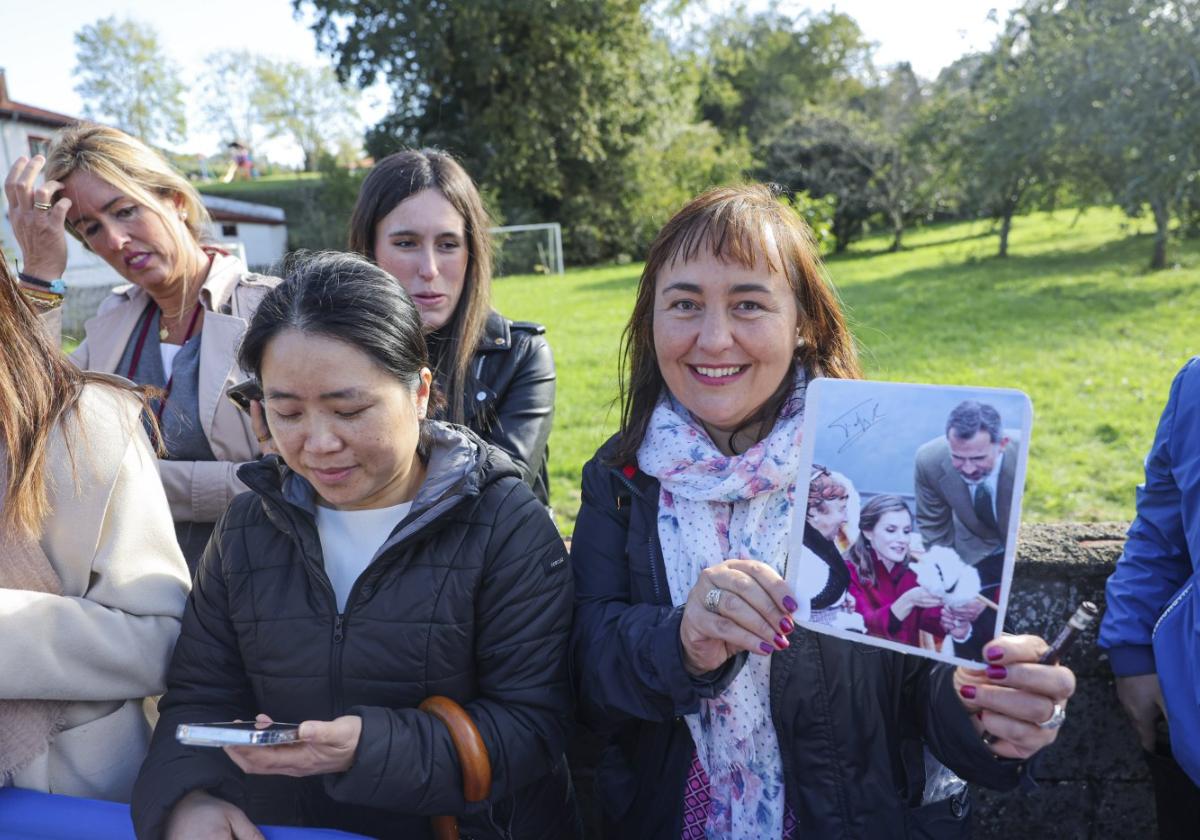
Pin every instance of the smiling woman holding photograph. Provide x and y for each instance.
(723, 719)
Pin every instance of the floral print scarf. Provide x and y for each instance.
(715, 507)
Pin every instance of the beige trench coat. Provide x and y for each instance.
(103, 645)
(198, 491)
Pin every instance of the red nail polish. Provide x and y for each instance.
(765, 648)
(789, 603)
(786, 625)
(781, 642)
(968, 691)
(996, 672)
(993, 653)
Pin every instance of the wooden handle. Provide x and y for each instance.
(472, 753)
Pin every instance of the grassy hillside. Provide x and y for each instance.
(1071, 317)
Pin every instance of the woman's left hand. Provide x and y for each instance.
(1014, 697)
(324, 747)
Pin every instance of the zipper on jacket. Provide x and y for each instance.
(335, 663)
(649, 539)
(1183, 593)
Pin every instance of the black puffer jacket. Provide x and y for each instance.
(470, 598)
(850, 718)
(509, 400)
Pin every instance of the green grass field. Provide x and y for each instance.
(246, 190)
(1072, 317)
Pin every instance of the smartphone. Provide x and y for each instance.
(243, 393)
(236, 734)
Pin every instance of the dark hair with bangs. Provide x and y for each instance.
(392, 181)
(736, 225)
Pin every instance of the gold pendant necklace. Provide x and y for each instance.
(163, 332)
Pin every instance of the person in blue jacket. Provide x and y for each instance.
(720, 718)
(1151, 628)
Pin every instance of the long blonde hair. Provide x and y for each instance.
(129, 165)
(39, 390)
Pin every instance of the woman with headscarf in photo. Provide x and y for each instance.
(824, 579)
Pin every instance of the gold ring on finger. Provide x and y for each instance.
(712, 600)
(42, 205)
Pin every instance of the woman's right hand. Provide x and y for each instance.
(911, 600)
(754, 613)
(202, 816)
(40, 233)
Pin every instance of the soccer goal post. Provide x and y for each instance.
(528, 249)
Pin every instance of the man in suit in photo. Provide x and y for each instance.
(964, 489)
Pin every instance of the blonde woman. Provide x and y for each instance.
(92, 584)
(175, 325)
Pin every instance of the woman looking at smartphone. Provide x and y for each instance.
(91, 581)
(177, 323)
(419, 217)
(383, 557)
(722, 718)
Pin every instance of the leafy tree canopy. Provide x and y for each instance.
(126, 79)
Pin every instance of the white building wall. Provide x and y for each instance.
(264, 244)
(83, 267)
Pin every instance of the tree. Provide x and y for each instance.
(828, 152)
(555, 108)
(229, 95)
(904, 183)
(761, 70)
(126, 79)
(991, 126)
(1125, 78)
(306, 104)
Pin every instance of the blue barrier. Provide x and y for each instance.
(30, 815)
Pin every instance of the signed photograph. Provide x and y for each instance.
(907, 533)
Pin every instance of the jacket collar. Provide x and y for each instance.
(497, 334)
(460, 465)
(108, 332)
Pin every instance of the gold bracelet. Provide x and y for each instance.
(45, 301)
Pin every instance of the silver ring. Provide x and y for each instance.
(41, 205)
(1055, 720)
(712, 601)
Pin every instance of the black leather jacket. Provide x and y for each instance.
(509, 401)
(851, 719)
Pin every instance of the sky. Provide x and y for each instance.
(37, 47)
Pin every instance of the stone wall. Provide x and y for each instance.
(1093, 783)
